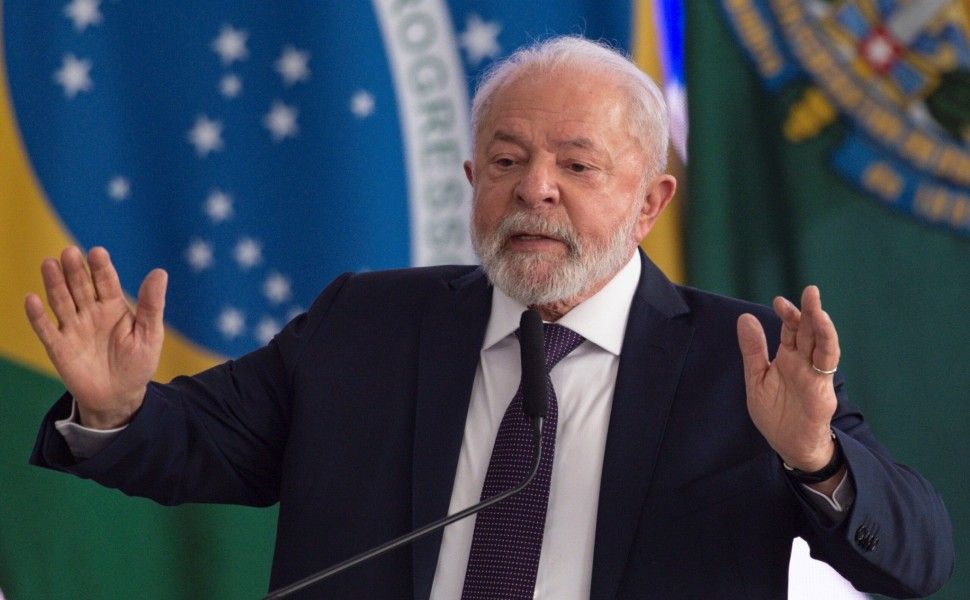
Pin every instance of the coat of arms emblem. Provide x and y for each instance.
(896, 72)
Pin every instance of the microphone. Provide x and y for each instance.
(534, 404)
(532, 344)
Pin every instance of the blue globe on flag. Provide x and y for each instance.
(255, 151)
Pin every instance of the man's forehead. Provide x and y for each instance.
(523, 136)
(556, 103)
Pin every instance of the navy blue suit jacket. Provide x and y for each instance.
(352, 420)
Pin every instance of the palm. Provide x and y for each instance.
(103, 357)
(789, 402)
(104, 352)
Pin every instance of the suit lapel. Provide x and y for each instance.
(452, 331)
(655, 344)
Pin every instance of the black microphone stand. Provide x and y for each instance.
(534, 404)
(419, 533)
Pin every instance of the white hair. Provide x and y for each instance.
(647, 111)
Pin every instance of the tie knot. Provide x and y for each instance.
(560, 341)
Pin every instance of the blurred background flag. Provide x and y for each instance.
(658, 48)
(830, 144)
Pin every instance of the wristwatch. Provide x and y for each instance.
(826, 472)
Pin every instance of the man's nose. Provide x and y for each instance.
(538, 185)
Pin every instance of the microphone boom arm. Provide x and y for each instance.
(423, 531)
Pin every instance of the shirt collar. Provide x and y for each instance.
(601, 319)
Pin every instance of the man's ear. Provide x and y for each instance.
(469, 174)
(658, 194)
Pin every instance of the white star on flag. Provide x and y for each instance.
(119, 188)
(276, 288)
(230, 86)
(206, 136)
(84, 13)
(232, 322)
(218, 206)
(248, 253)
(74, 76)
(267, 328)
(480, 39)
(362, 104)
(231, 44)
(281, 121)
(199, 255)
(292, 65)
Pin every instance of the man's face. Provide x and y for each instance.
(558, 189)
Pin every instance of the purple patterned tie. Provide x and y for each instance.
(505, 550)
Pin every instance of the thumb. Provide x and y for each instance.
(754, 347)
(151, 301)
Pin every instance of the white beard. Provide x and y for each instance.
(535, 278)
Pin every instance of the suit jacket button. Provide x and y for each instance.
(861, 534)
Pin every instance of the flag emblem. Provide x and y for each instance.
(898, 74)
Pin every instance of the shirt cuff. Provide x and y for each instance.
(84, 442)
(836, 506)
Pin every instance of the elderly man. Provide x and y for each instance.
(683, 453)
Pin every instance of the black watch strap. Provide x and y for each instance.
(826, 472)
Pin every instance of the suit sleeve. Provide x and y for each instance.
(218, 436)
(897, 539)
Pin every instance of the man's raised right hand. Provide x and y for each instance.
(104, 352)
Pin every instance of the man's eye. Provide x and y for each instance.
(504, 162)
(578, 167)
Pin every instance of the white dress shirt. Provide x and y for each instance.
(584, 381)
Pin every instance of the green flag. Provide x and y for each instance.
(816, 157)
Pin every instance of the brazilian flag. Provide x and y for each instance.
(254, 150)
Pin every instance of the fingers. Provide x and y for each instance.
(811, 299)
(107, 286)
(151, 302)
(798, 325)
(58, 295)
(811, 307)
(809, 331)
(754, 347)
(790, 318)
(71, 289)
(39, 321)
(827, 352)
(77, 277)
(824, 351)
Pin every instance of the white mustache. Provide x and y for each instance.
(532, 224)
